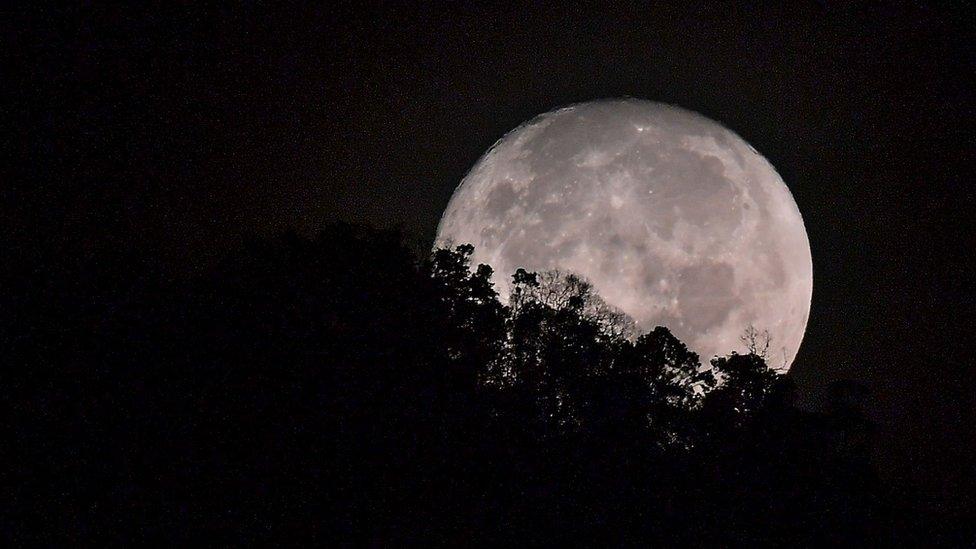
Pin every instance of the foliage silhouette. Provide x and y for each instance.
(337, 389)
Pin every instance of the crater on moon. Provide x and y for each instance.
(674, 219)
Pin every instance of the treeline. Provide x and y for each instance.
(339, 389)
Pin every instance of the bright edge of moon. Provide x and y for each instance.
(673, 218)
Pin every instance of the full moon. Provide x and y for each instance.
(673, 218)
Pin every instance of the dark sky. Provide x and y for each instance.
(176, 130)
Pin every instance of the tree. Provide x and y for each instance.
(745, 384)
(338, 388)
(757, 343)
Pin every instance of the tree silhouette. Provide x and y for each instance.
(757, 343)
(340, 390)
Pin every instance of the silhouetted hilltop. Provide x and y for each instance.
(339, 389)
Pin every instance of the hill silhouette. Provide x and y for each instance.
(341, 390)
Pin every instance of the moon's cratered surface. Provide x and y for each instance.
(675, 220)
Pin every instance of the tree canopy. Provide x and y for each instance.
(337, 388)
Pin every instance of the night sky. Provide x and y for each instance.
(178, 130)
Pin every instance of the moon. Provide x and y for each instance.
(673, 218)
